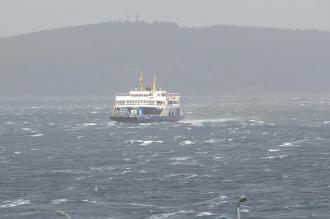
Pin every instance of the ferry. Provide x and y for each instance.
(147, 105)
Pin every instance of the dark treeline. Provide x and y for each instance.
(102, 59)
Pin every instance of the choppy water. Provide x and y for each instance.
(65, 154)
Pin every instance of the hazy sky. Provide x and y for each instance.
(21, 16)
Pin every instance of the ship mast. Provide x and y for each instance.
(141, 82)
(154, 83)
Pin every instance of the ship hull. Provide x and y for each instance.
(145, 119)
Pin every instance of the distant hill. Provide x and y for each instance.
(105, 58)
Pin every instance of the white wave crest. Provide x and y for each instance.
(275, 157)
(187, 142)
(12, 204)
(204, 213)
(286, 144)
(274, 150)
(37, 135)
(58, 201)
(180, 158)
(199, 122)
(88, 124)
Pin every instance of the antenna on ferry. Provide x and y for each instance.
(141, 82)
(154, 83)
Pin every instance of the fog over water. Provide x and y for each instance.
(18, 17)
(102, 59)
(254, 83)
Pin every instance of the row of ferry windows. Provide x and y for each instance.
(144, 101)
(145, 95)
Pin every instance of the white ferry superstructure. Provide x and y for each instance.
(147, 105)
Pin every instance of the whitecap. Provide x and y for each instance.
(88, 124)
(37, 135)
(146, 143)
(12, 204)
(276, 157)
(274, 150)
(286, 144)
(102, 168)
(204, 213)
(179, 136)
(17, 152)
(187, 142)
(126, 171)
(199, 121)
(140, 204)
(244, 210)
(211, 141)
(167, 215)
(26, 129)
(145, 124)
(94, 202)
(180, 158)
(160, 216)
(58, 201)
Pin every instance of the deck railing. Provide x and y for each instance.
(123, 94)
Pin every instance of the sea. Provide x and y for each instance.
(65, 154)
